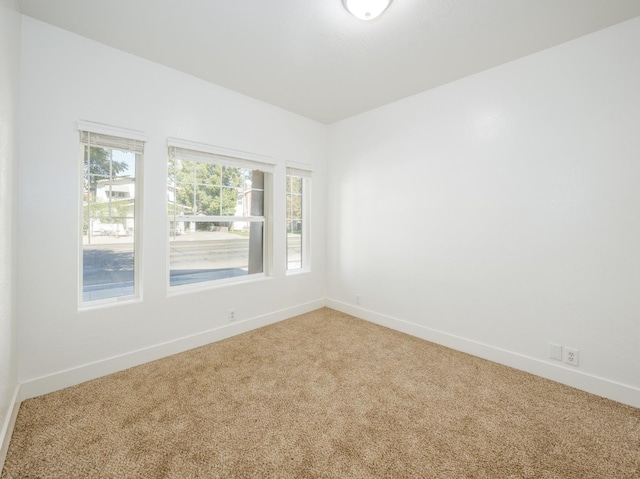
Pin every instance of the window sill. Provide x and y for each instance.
(216, 284)
(296, 272)
(108, 303)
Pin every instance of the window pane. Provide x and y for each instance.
(213, 252)
(206, 249)
(184, 199)
(108, 246)
(184, 171)
(294, 207)
(207, 200)
(296, 184)
(229, 201)
(108, 269)
(207, 174)
(233, 176)
(294, 216)
(172, 168)
(294, 244)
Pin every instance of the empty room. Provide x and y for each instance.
(337, 238)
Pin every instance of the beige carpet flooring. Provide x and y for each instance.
(323, 395)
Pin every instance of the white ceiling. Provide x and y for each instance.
(314, 58)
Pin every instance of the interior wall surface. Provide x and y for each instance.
(10, 25)
(66, 78)
(500, 211)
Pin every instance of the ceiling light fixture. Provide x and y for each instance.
(366, 9)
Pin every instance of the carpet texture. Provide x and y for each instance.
(323, 395)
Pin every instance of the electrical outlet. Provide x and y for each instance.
(357, 299)
(555, 351)
(232, 314)
(571, 356)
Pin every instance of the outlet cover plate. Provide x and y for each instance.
(571, 356)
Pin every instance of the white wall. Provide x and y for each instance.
(66, 78)
(500, 212)
(9, 92)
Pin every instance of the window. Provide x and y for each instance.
(217, 214)
(298, 183)
(110, 214)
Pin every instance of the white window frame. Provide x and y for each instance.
(202, 152)
(305, 172)
(127, 136)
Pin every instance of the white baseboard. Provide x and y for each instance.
(70, 377)
(619, 392)
(8, 424)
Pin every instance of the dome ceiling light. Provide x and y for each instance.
(366, 9)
